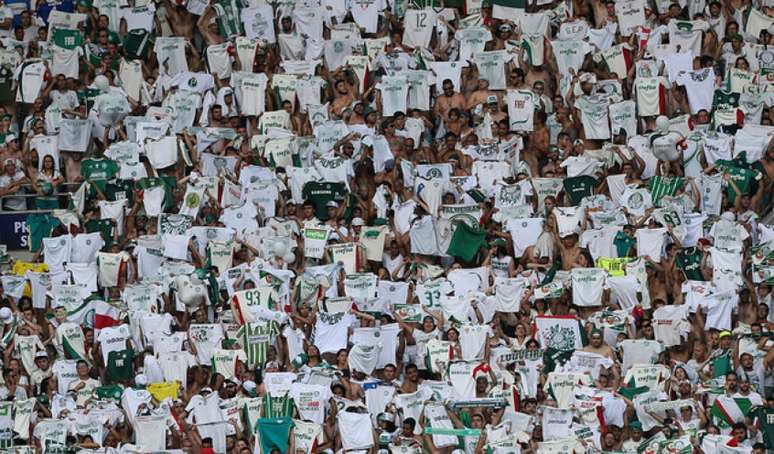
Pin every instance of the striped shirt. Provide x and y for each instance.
(661, 186)
(255, 339)
(278, 407)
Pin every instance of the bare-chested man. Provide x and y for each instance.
(596, 345)
(448, 100)
(343, 98)
(481, 94)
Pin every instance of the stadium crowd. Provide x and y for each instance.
(387, 226)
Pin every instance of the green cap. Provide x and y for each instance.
(497, 242)
(635, 425)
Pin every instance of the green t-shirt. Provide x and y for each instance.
(120, 366)
(765, 418)
(67, 39)
(40, 226)
(466, 242)
(623, 243)
(579, 187)
(136, 44)
(661, 186)
(724, 100)
(99, 170)
(104, 227)
(6, 80)
(273, 433)
(320, 193)
(109, 392)
(689, 260)
(120, 189)
(278, 407)
(744, 178)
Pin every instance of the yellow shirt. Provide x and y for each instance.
(20, 269)
(161, 391)
(614, 266)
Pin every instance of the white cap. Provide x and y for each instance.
(358, 221)
(141, 380)
(249, 386)
(6, 316)
(728, 216)
(102, 83)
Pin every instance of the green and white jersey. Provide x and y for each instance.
(521, 110)
(29, 80)
(661, 186)
(251, 408)
(120, 366)
(278, 407)
(224, 362)
(255, 339)
(99, 169)
(67, 39)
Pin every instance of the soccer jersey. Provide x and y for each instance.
(521, 110)
(472, 40)
(278, 406)
(320, 193)
(366, 13)
(594, 116)
(587, 286)
(98, 169)
(255, 339)
(113, 339)
(170, 52)
(254, 94)
(419, 83)
(224, 362)
(66, 61)
(394, 94)
(491, 66)
(623, 117)
(651, 95)
(66, 38)
(570, 54)
(699, 86)
(29, 80)
(119, 366)
(618, 59)
(419, 24)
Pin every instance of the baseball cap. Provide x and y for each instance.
(358, 221)
(332, 204)
(41, 354)
(141, 380)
